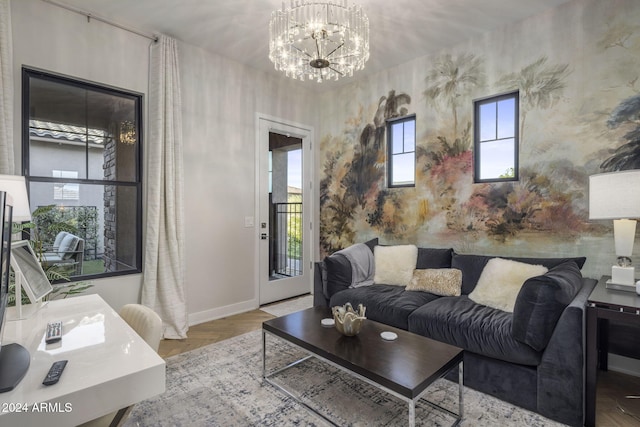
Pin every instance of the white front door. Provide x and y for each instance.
(284, 209)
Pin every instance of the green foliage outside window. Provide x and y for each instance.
(49, 221)
(509, 173)
(294, 229)
(79, 220)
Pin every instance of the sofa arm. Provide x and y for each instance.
(561, 371)
(319, 292)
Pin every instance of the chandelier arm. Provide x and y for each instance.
(345, 56)
(301, 51)
(331, 53)
(339, 72)
(317, 47)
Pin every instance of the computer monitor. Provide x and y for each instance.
(5, 256)
(14, 358)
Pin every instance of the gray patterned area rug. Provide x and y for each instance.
(221, 385)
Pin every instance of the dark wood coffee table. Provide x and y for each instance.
(404, 367)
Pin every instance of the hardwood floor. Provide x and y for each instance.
(214, 331)
(612, 386)
(611, 401)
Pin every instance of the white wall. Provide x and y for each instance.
(220, 102)
(53, 39)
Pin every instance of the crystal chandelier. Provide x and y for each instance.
(319, 40)
(127, 132)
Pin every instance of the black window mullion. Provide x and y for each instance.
(131, 262)
(479, 143)
(86, 134)
(391, 155)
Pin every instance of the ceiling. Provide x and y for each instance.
(238, 29)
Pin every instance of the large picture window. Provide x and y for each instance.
(401, 146)
(82, 155)
(496, 138)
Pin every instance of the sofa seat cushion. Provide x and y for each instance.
(386, 304)
(473, 327)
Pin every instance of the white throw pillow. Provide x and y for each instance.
(501, 281)
(394, 265)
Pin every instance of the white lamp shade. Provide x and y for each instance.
(614, 195)
(16, 187)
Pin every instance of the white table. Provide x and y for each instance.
(110, 366)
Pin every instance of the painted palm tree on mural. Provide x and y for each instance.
(364, 171)
(450, 78)
(627, 156)
(540, 86)
(359, 186)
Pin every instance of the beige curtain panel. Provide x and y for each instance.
(163, 288)
(6, 90)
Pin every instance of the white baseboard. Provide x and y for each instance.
(220, 312)
(625, 365)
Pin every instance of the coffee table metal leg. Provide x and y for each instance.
(412, 413)
(460, 390)
(264, 355)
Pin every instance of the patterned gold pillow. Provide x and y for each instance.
(445, 282)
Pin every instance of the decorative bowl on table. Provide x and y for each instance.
(348, 321)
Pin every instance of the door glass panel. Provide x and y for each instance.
(285, 249)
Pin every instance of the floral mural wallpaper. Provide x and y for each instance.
(577, 71)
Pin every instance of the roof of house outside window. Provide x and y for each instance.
(62, 132)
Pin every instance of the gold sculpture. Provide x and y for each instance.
(348, 321)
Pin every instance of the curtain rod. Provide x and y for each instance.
(91, 16)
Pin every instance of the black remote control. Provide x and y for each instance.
(54, 372)
(54, 332)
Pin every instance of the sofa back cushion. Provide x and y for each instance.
(59, 237)
(434, 258)
(68, 246)
(472, 266)
(541, 302)
(338, 272)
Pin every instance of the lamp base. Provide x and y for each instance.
(623, 275)
(622, 279)
(610, 285)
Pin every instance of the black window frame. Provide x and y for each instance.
(28, 73)
(476, 136)
(390, 154)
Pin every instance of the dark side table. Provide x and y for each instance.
(604, 305)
